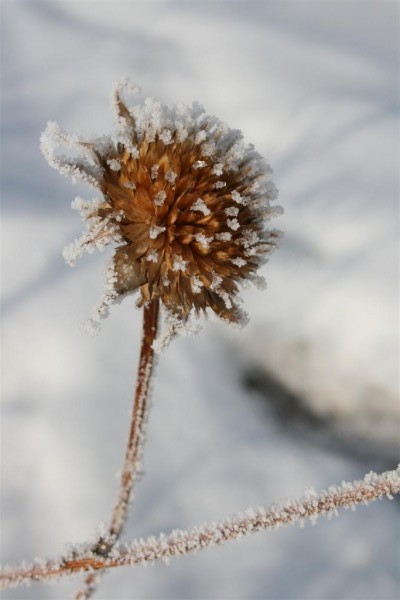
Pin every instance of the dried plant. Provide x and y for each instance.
(185, 202)
(184, 199)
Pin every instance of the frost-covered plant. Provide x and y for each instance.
(184, 200)
(185, 203)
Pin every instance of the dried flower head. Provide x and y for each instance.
(184, 199)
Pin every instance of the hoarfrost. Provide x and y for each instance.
(114, 164)
(154, 172)
(116, 91)
(86, 207)
(218, 169)
(110, 296)
(155, 231)
(208, 148)
(179, 264)
(203, 239)
(250, 238)
(225, 297)
(170, 176)
(273, 211)
(199, 164)
(173, 325)
(238, 198)
(98, 234)
(216, 281)
(232, 211)
(166, 137)
(83, 168)
(201, 206)
(152, 256)
(233, 224)
(259, 281)
(239, 262)
(201, 136)
(160, 198)
(196, 283)
(223, 236)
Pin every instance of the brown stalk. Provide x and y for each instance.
(133, 453)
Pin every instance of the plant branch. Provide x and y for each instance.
(134, 450)
(177, 543)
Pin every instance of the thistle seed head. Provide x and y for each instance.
(184, 200)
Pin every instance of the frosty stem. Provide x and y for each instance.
(134, 449)
(178, 543)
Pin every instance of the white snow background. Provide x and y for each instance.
(315, 86)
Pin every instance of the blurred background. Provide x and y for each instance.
(306, 395)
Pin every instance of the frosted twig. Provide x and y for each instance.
(178, 543)
(134, 450)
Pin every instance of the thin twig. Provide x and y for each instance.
(134, 450)
(178, 543)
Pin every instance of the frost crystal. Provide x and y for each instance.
(114, 164)
(200, 137)
(154, 171)
(203, 240)
(216, 281)
(179, 264)
(155, 231)
(233, 224)
(160, 198)
(166, 137)
(232, 211)
(198, 164)
(196, 284)
(201, 206)
(237, 197)
(130, 185)
(223, 236)
(170, 176)
(152, 256)
(239, 262)
(218, 169)
(173, 326)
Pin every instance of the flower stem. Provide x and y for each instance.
(134, 450)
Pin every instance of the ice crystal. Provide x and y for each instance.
(201, 206)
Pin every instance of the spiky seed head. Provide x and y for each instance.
(184, 199)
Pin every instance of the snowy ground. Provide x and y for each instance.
(315, 87)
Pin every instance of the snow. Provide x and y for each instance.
(315, 87)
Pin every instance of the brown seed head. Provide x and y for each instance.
(184, 199)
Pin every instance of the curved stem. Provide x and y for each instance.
(134, 450)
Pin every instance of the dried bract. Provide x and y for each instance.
(184, 200)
